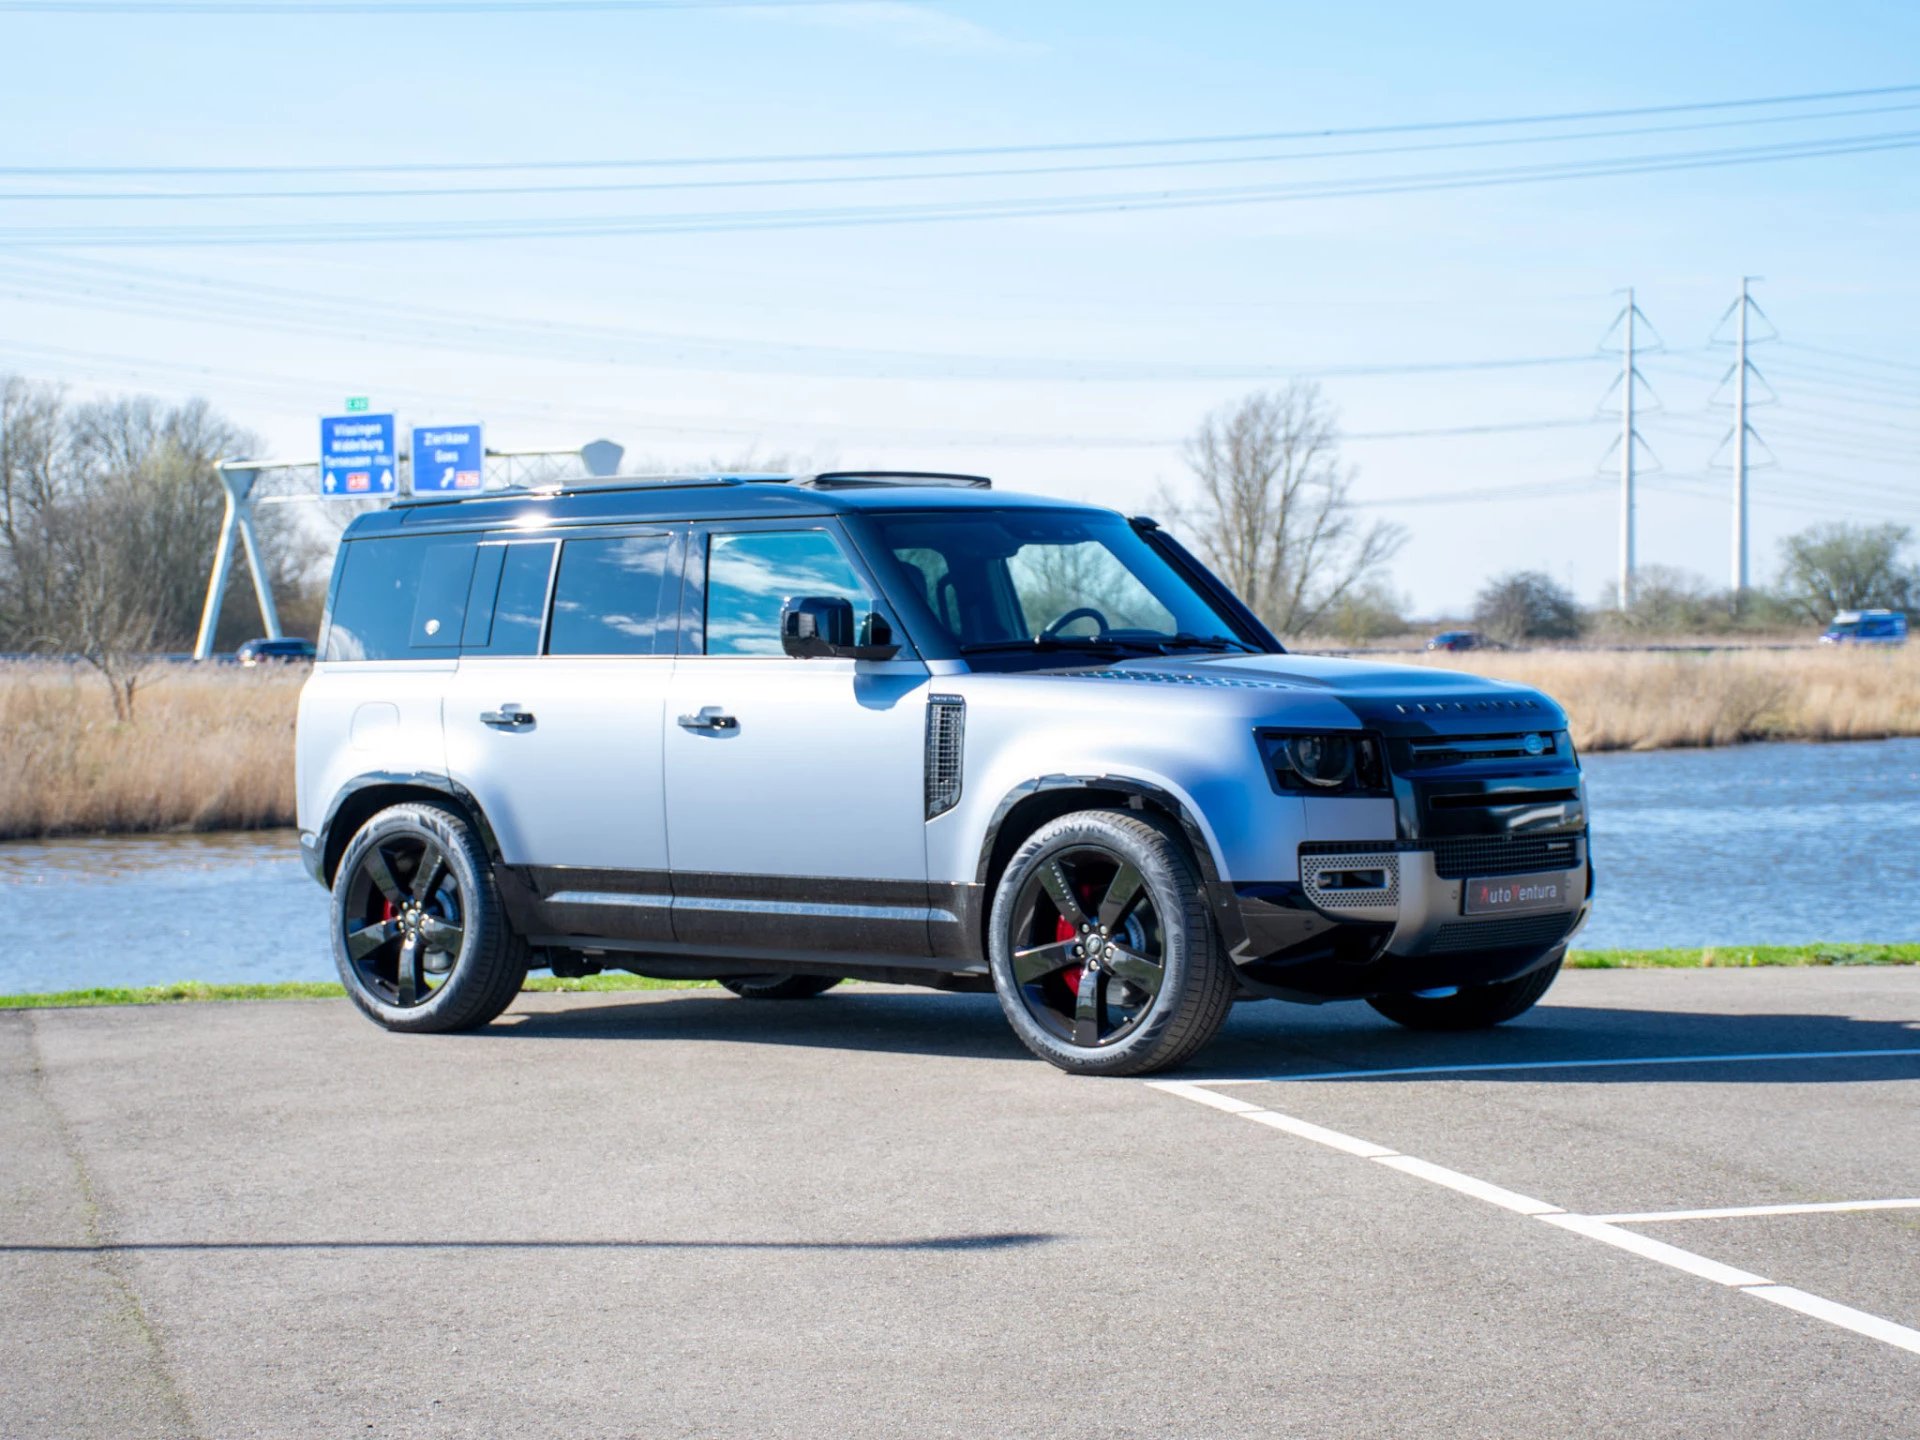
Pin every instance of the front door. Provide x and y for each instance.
(553, 722)
(795, 790)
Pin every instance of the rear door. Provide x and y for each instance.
(553, 719)
(795, 790)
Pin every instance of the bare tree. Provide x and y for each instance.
(1527, 605)
(107, 616)
(108, 513)
(1272, 516)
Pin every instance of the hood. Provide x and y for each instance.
(1402, 699)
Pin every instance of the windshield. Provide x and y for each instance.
(1037, 580)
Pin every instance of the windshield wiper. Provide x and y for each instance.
(1184, 641)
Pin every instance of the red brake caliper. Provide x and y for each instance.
(1063, 931)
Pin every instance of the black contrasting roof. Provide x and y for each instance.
(697, 497)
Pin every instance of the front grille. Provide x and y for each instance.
(1458, 749)
(946, 751)
(1515, 933)
(1480, 855)
(1468, 857)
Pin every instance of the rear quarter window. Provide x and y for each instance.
(400, 598)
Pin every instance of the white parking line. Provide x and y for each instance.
(1468, 1185)
(1742, 1212)
(1604, 1228)
(1845, 1316)
(1658, 1250)
(1604, 1064)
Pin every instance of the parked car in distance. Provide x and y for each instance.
(1458, 640)
(1867, 627)
(776, 732)
(289, 651)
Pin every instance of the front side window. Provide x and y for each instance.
(752, 573)
(606, 599)
(1015, 580)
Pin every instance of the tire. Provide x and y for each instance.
(1165, 972)
(466, 962)
(779, 986)
(1473, 1007)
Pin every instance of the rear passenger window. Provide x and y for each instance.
(400, 598)
(518, 604)
(606, 600)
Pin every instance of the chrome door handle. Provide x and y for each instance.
(508, 717)
(709, 719)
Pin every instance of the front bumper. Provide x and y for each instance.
(1405, 889)
(312, 860)
(1372, 919)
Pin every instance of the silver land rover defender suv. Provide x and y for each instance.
(777, 732)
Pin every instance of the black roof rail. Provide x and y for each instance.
(579, 485)
(866, 479)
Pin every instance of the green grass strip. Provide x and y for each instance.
(196, 990)
(1743, 957)
(1717, 957)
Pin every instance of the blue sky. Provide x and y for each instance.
(1064, 353)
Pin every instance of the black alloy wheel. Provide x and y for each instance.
(1103, 950)
(1088, 955)
(419, 936)
(410, 931)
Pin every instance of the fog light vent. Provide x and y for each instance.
(1352, 882)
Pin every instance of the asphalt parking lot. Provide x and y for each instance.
(681, 1214)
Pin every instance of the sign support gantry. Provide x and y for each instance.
(239, 477)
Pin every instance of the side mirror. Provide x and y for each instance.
(817, 626)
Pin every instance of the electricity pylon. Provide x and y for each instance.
(1743, 436)
(1629, 443)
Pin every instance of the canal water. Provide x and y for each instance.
(1753, 844)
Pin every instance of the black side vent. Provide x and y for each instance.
(946, 751)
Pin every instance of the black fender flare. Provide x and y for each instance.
(1140, 795)
(327, 844)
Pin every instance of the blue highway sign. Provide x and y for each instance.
(357, 456)
(447, 458)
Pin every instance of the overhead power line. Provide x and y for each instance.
(139, 290)
(999, 208)
(1911, 366)
(791, 157)
(1074, 168)
(401, 7)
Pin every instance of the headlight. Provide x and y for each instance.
(1337, 762)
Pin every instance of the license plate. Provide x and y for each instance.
(1516, 895)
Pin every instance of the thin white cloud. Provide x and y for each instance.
(911, 26)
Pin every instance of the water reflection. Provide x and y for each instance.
(1777, 844)
(146, 910)
(1764, 843)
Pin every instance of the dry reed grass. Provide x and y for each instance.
(212, 749)
(207, 749)
(1657, 700)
